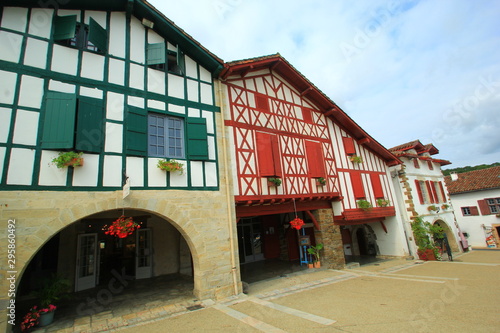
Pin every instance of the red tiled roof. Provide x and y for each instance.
(474, 180)
(401, 151)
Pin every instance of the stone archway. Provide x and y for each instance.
(449, 234)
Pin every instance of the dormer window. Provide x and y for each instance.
(165, 60)
(68, 32)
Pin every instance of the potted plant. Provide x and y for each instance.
(432, 208)
(314, 250)
(170, 165)
(320, 181)
(67, 159)
(356, 159)
(364, 204)
(274, 181)
(421, 231)
(383, 202)
(30, 320)
(53, 289)
(445, 206)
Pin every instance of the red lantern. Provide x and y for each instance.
(297, 223)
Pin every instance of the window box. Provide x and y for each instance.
(170, 166)
(356, 159)
(383, 202)
(320, 181)
(68, 159)
(273, 181)
(364, 204)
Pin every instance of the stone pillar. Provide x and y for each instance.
(329, 234)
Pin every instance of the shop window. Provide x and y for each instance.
(91, 37)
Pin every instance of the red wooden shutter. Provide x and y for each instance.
(419, 191)
(261, 102)
(315, 160)
(415, 163)
(430, 191)
(264, 154)
(377, 186)
(349, 146)
(429, 163)
(474, 210)
(306, 115)
(357, 185)
(276, 156)
(483, 207)
(441, 188)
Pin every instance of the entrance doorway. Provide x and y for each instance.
(250, 240)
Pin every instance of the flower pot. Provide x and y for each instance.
(75, 162)
(427, 254)
(310, 265)
(46, 318)
(317, 264)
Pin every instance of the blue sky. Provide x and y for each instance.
(403, 70)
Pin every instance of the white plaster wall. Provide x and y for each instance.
(192, 89)
(26, 128)
(7, 87)
(50, 175)
(5, 116)
(197, 174)
(113, 138)
(210, 174)
(136, 76)
(36, 53)
(61, 87)
(114, 106)
(2, 160)
(88, 174)
(15, 18)
(137, 41)
(178, 180)
(21, 166)
(116, 45)
(191, 68)
(175, 86)
(112, 175)
(205, 75)
(156, 81)
(206, 93)
(92, 66)
(135, 171)
(91, 92)
(11, 46)
(64, 60)
(116, 72)
(156, 176)
(473, 224)
(41, 22)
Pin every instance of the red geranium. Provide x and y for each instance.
(30, 320)
(297, 223)
(122, 227)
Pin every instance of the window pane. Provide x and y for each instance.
(491, 202)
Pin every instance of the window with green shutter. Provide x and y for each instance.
(59, 121)
(159, 58)
(90, 121)
(197, 140)
(73, 123)
(136, 136)
(91, 37)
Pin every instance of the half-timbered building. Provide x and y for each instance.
(296, 153)
(124, 86)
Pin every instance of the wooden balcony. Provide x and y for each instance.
(360, 216)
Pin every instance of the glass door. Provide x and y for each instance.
(86, 265)
(250, 241)
(143, 258)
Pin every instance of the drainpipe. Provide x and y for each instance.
(228, 183)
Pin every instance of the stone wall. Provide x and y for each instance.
(329, 234)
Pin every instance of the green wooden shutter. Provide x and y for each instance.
(59, 121)
(136, 136)
(64, 27)
(197, 143)
(89, 128)
(156, 54)
(98, 35)
(181, 62)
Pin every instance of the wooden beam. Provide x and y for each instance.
(246, 71)
(305, 92)
(315, 222)
(364, 141)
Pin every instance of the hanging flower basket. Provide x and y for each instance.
(297, 223)
(122, 227)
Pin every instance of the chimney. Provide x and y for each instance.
(454, 176)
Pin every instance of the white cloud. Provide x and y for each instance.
(398, 68)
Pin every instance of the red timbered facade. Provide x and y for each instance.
(291, 150)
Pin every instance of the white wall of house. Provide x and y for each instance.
(476, 226)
